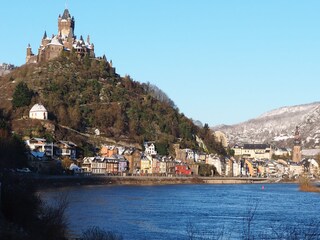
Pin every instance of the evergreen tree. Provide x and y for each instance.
(22, 95)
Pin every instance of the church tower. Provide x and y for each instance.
(66, 25)
(296, 153)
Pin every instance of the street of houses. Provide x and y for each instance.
(46, 157)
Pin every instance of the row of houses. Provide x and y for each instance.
(118, 160)
(271, 168)
(145, 166)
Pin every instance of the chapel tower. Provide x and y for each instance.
(296, 153)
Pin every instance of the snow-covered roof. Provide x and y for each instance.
(38, 139)
(68, 143)
(38, 108)
(55, 41)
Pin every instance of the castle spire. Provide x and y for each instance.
(45, 35)
(66, 14)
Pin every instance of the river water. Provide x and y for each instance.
(203, 211)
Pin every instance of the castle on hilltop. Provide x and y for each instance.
(65, 40)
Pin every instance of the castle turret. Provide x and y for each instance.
(45, 40)
(88, 40)
(45, 35)
(66, 24)
(29, 54)
(69, 41)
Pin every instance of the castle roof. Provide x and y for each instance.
(38, 108)
(256, 146)
(55, 41)
(66, 14)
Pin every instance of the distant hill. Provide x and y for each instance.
(278, 126)
(87, 94)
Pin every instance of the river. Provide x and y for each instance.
(203, 211)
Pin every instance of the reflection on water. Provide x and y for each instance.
(169, 212)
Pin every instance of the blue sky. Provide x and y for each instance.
(220, 61)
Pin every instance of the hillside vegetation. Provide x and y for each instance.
(87, 94)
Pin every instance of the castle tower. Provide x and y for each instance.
(30, 58)
(29, 52)
(296, 153)
(66, 24)
(45, 40)
(64, 40)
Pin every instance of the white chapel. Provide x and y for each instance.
(38, 111)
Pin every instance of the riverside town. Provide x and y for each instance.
(88, 154)
(85, 119)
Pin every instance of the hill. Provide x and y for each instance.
(278, 126)
(86, 94)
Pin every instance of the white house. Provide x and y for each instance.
(40, 145)
(38, 111)
(215, 161)
(190, 154)
(150, 149)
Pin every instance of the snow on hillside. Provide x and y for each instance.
(293, 109)
(278, 126)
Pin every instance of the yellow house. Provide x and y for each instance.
(256, 151)
(146, 166)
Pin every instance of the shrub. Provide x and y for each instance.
(96, 233)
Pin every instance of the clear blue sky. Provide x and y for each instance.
(220, 61)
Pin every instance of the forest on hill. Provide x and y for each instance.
(87, 94)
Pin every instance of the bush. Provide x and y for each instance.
(96, 233)
(26, 216)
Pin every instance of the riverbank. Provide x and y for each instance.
(64, 181)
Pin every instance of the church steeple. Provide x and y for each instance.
(296, 153)
(297, 137)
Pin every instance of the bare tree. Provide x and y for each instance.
(96, 233)
(248, 220)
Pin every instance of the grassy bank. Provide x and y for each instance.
(306, 185)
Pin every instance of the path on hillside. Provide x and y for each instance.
(101, 138)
